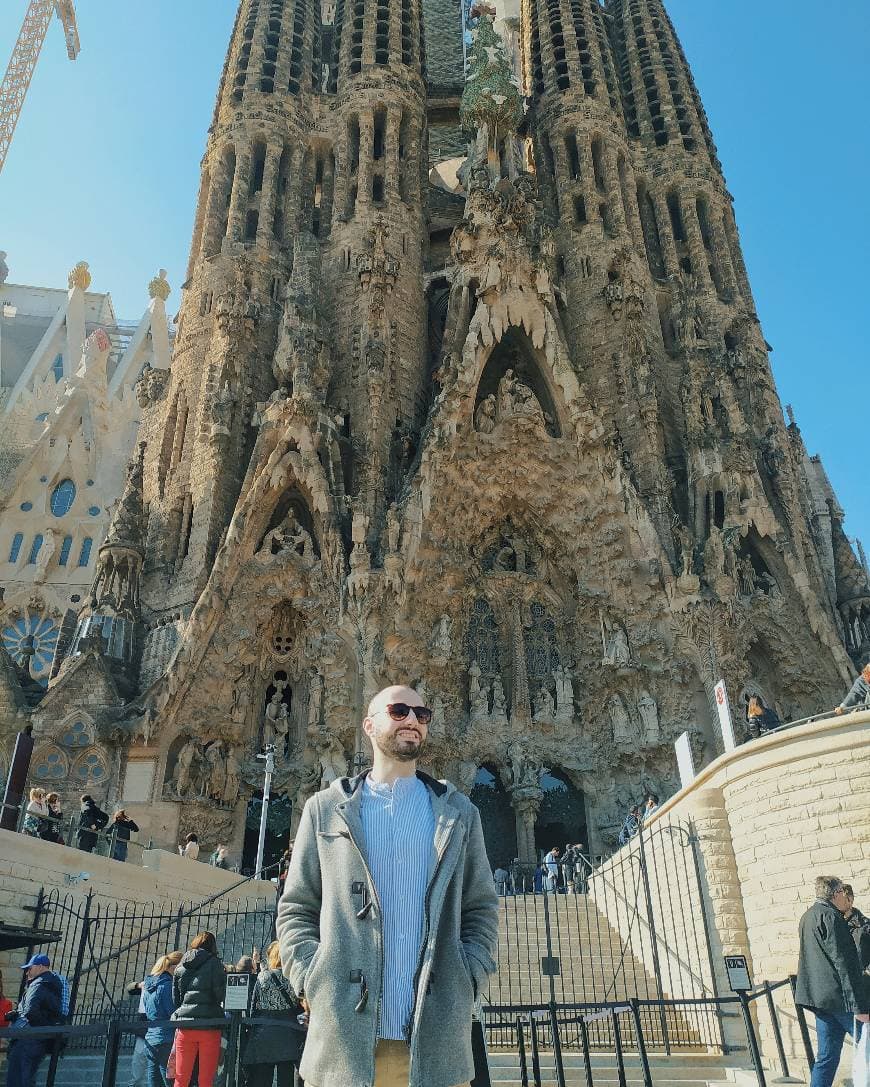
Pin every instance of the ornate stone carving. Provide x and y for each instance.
(648, 709)
(620, 722)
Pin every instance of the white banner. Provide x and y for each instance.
(725, 721)
(685, 762)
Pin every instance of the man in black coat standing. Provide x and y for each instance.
(830, 981)
(91, 821)
(41, 1007)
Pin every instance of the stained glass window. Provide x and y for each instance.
(15, 549)
(85, 553)
(481, 641)
(542, 656)
(65, 549)
(35, 549)
(51, 766)
(76, 735)
(57, 367)
(62, 497)
(30, 640)
(89, 769)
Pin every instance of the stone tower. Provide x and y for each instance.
(468, 391)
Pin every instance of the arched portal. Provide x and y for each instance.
(497, 816)
(514, 354)
(277, 832)
(562, 815)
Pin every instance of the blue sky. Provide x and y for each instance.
(105, 167)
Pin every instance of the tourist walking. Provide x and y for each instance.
(389, 920)
(35, 814)
(121, 829)
(41, 1006)
(829, 979)
(158, 1003)
(92, 819)
(551, 866)
(198, 989)
(859, 693)
(859, 926)
(273, 1047)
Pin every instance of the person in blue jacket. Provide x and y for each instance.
(40, 1007)
(158, 1003)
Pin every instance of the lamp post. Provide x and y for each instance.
(268, 756)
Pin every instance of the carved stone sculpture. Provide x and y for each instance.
(232, 781)
(276, 721)
(289, 536)
(648, 709)
(545, 708)
(315, 700)
(217, 771)
(620, 721)
(440, 645)
(477, 696)
(499, 701)
(485, 416)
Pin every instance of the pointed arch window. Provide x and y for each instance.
(15, 549)
(85, 553)
(57, 367)
(65, 549)
(481, 641)
(35, 548)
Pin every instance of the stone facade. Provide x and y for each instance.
(510, 434)
(69, 415)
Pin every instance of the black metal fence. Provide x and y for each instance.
(633, 927)
(106, 947)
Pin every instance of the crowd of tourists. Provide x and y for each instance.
(182, 1000)
(43, 818)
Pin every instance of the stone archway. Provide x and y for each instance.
(562, 815)
(496, 815)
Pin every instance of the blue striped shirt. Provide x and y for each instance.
(399, 830)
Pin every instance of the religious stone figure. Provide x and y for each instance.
(232, 782)
(618, 651)
(499, 701)
(333, 761)
(46, 553)
(485, 416)
(221, 411)
(685, 550)
(544, 706)
(620, 721)
(564, 693)
(477, 696)
(648, 709)
(185, 768)
(315, 700)
(516, 398)
(217, 770)
(440, 645)
(276, 721)
(746, 576)
(714, 555)
(289, 536)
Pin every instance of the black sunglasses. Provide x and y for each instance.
(398, 711)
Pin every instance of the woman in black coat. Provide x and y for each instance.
(274, 1045)
(198, 988)
(121, 828)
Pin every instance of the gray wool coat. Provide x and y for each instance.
(331, 936)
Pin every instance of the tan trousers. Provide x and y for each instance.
(392, 1065)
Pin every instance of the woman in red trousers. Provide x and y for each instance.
(198, 986)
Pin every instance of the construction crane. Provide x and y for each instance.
(24, 57)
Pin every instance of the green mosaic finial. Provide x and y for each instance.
(491, 96)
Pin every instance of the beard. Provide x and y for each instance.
(400, 748)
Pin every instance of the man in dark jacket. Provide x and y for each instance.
(41, 1007)
(859, 926)
(859, 695)
(829, 981)
(91, 821)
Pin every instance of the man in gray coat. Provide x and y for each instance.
(829, 979)
(859, 694)
(388, 923)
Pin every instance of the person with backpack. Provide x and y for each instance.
(41, 1006)
(198, 989)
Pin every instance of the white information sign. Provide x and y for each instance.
(724, 710)
(238, 989)
(685, 762)
(738, 973)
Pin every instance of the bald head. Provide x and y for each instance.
(393, 694)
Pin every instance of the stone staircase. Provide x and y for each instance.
(680, 1070)
(594, 965)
